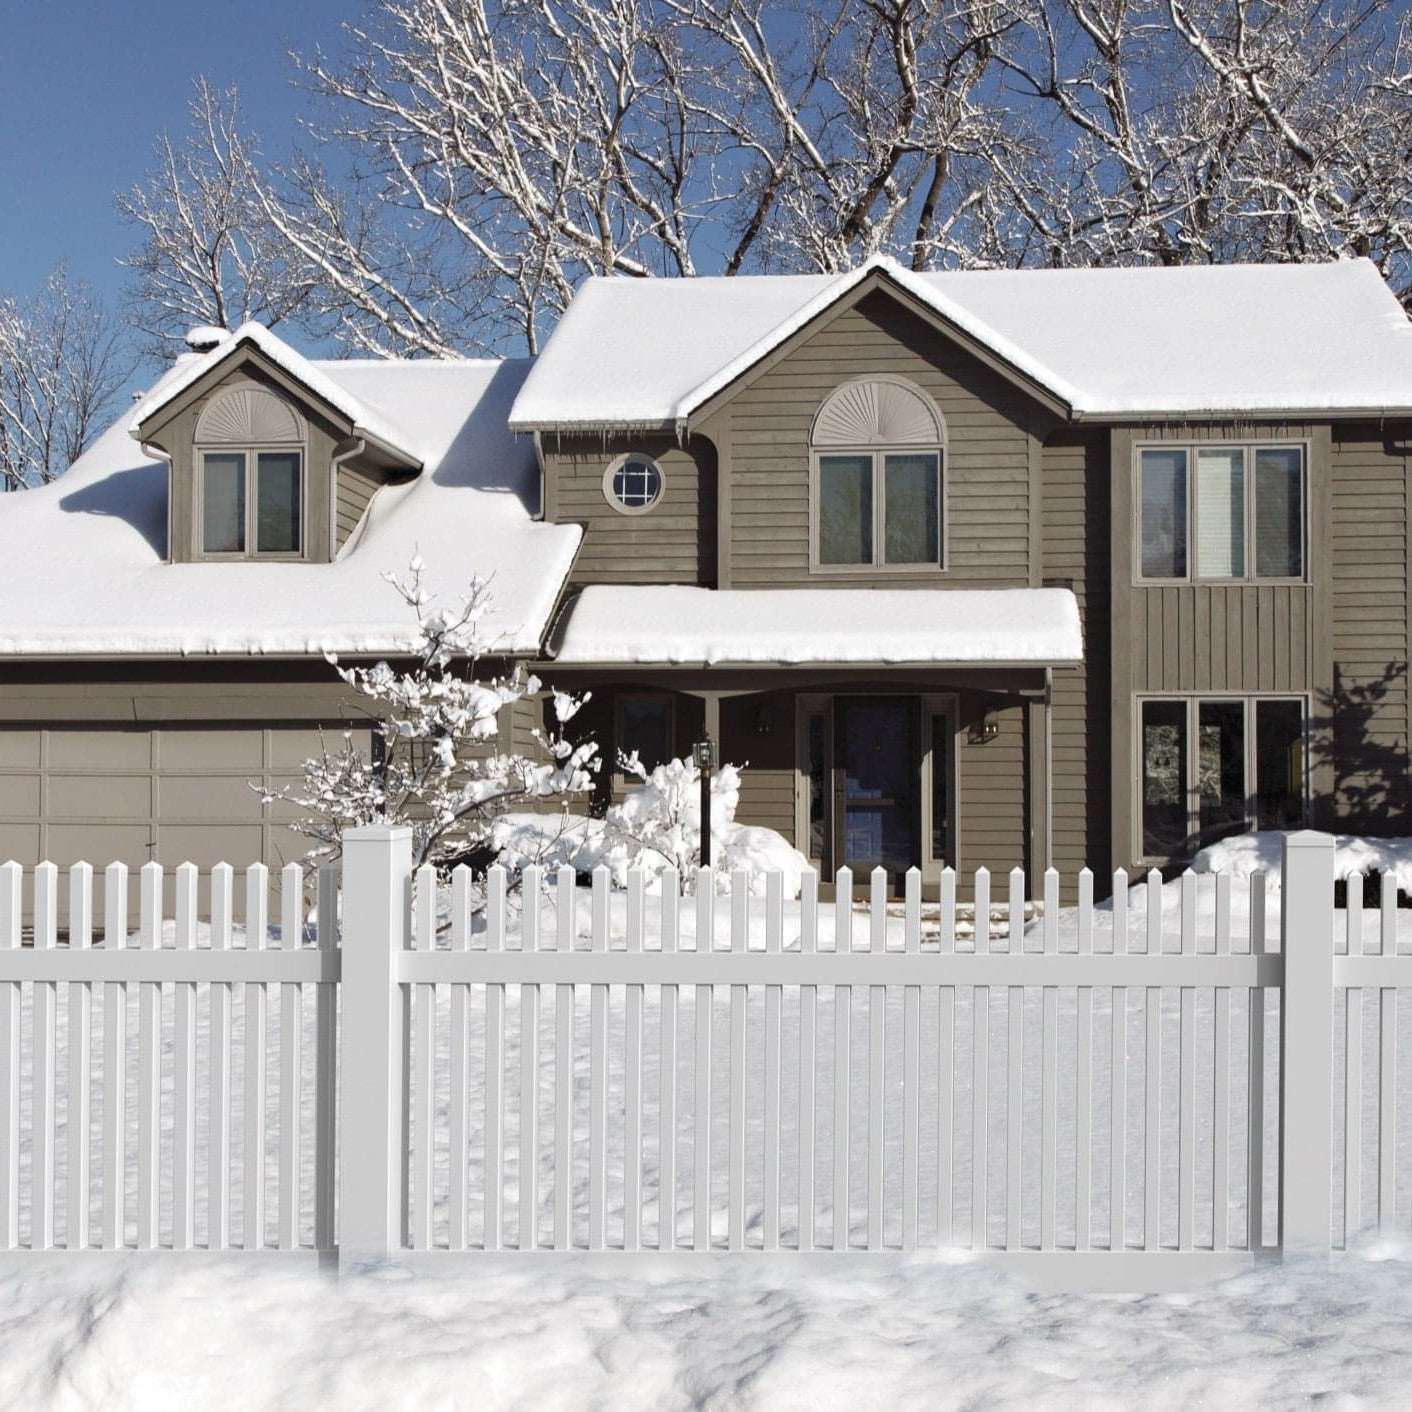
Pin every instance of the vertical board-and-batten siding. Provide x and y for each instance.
(1074, 530)
(674, 542)
(1186, 639)
(987, 466)
(1367, 700)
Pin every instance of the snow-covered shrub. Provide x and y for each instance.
(656, 826)
(1246, 853)
(439, 769)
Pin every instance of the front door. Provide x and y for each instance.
(876, 775)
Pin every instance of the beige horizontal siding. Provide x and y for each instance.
(674, 542)
(987, 464)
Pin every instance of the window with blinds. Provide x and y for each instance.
(1221, 513)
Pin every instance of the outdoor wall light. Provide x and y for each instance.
(987, 728)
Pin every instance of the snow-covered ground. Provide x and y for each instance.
(176, 1333)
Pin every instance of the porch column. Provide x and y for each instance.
(1038, 754)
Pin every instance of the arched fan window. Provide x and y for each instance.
(876, 453)
(250, 475)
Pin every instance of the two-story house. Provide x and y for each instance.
(1081, 567)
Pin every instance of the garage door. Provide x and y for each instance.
(130, 794)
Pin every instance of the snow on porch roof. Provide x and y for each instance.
(1214, 339)
(680, 626)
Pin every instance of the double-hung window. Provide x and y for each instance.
(252, 502)
(1213, 766)
(1221, 513)
(878, 493)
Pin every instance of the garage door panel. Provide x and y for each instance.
(209, 844)
(100, 797)
(110, 748)
(19, 796)
(289, 748)
(19, 750)
(195, 797)
(19, 843)
(197, 749)
(100, 844)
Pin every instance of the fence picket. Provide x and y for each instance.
(1352, 1112)
(218, 1075)
(842, 1064)
(632, 1071)
(114, 1054)
(911, 1061)
(80, 1042)
(493, 1218)
(945, 1115)
(326, 1068)
(1255, 1080)
(808, 1057)
(184, 1071)
(1118, 1076)
(1387, 1111)
(1014, 1112)
(667, 1071)
(565, 924)
(424, 1052)
(877, 1053)
(701, 1147)
(291, 1023)
(774, 934)
(980, 1069)
(1049, 1153)
(44, 1003)
(149, 1050)
(257, 893)
(1083, 1064)
(11, 883)
(530, 940)
(598, 1077)
(740, 940)
(458, 1148)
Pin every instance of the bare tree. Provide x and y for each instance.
(208, 255)
(62, 365)
(478, 158)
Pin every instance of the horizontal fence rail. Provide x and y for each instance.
(1138, 1091)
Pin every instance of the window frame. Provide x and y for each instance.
(250, 452)
(1249, 447)
(610, 474)
(878, 455)
(1192, 701)
(621, 699)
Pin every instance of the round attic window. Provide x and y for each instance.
(633, 484)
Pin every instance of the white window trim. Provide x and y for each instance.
(1249, 448)
(611, 472)
(251, 453)
(1192, 700)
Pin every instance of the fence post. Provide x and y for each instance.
(377, 873)
(1306, 1042)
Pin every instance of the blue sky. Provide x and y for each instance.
(86, 86)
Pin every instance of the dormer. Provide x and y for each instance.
(269, 458)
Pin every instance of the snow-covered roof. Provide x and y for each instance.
(326, 386)
(83, 557)
(1198, 339)
(682, 626)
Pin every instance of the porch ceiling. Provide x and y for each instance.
(678, 626)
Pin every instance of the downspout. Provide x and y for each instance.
(157, 454)
(335, 464)
(539, 461)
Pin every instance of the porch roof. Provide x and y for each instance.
(675, 625)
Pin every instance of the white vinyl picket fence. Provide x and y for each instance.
(1135, 1095)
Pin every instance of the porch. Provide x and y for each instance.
(861, 748)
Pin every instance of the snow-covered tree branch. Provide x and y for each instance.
(62, 365)
(438, 764)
